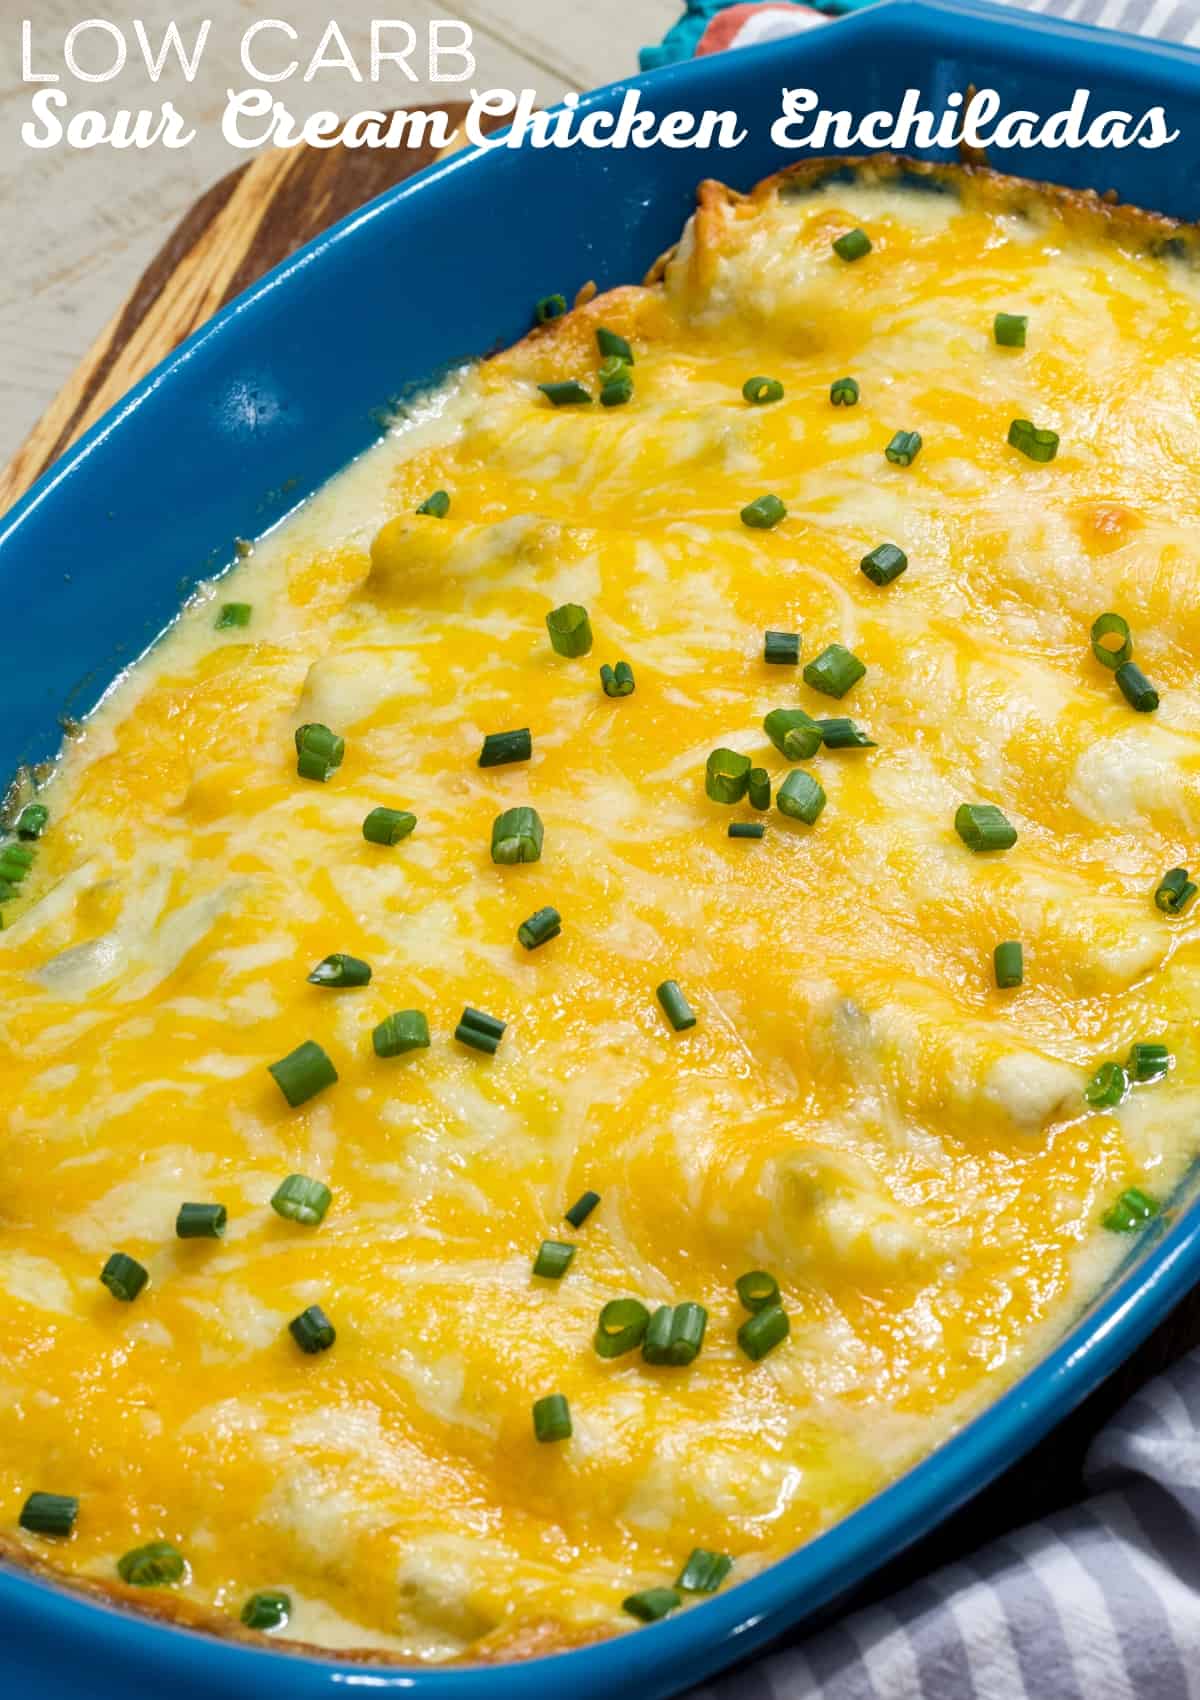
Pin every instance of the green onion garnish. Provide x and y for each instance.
(15, 862)
(124, 1277)
(481, 1032)
(674, 1334)
(234, 614)
(405, 1030)
(1109, 654)
(841, 734)
(904, 448)
(793, 733)
(1149, 1062)
(852, 246)
(759, 391)
(746, 829)
(318, 751)
(726, 776)
(982, 826)
(49, 1513)
(675, 1006)
(763, 1331)
(1175, 891)
(614, 370)
(763, 513)
(1037, 442)
(301, 1199)
(517, 837)
(843, 392)
(32, 820)
(540, 928)
(1009, 962)
(582, 1208)
(1136, 688)
(201, 1222)
(340, 970)
(267, 1611)
(757, 1289)
(549, 307)
(618, 680)
(303, 1073)
(312, 1330)
(570, 629)
(612, 346)
(1133, 1209)
(834, 671)
(552, 1418)
(781, 649)
(800, 797)
(553, 1259)
(621, 1327)
(501, 747)
(651, 1604)
(704, 1571)
(758, 788)
(568, 394)
(155, 1565)
(1009, 329)
(1108, 1087)
(616, 392)
(388, 826)
(885, 562)
(438, 504)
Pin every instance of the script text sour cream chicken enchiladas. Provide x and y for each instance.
(621, 975)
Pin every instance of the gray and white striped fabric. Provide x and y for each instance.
(1173, 20)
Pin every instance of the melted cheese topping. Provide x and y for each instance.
(858, 1109)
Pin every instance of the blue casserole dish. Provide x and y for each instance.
(282, 389)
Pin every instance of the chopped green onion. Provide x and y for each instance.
(301, 1199)
(540, 928)
(704, 1571)
(615, 370)
(674, 1334)
(621, 1327)
(612, 346)
(675, 1006)
(758, 788)
(852, 246)
(303, 1073)
(388, 826)
(793, 733)
(800, 797)
(1111, 655)
(781, 649)
(1009, 329)
(757, 1289)
(156, 1565)
(1175, 891)
(1136, 688)
(201, 1222)
(885, 563)
(834, 671)
(763, 1331)
(616, 392)
(841, 734)
(1108, 1087)
(124, 1277)
(340, 970)
(570, 629)
(651, 1604)
(904, 448)
(234, 614)
(553, 1259)
(267, 1611)
(1008, 960)
(318, 751)
(481, 1032)
(763, 513)
(746, 829)
(1037, 442)
(843, 392)
(49, 1513)
(1132, 1210)
(312, 1330)
(582, 1208)
(517, 837)
(405, 1030)
(568, 394)
(501, 747)
(15, 862)
(982, 826)
(549, 307)
(618, 680)
(552, 1418)
(7, 892)
(1149, 1062)
(438, 504)
(759, 391)
(32, 820)
(726, 776)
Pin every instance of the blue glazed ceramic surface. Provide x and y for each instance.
(283, 388)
